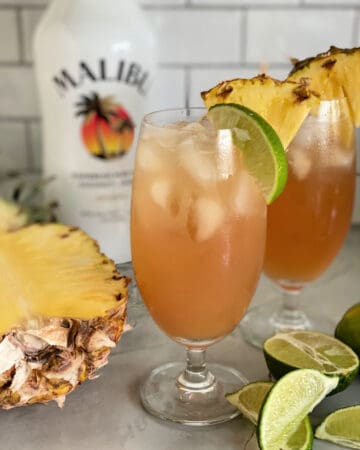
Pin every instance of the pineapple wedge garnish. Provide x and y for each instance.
(283, 104)
(63, 307)
(333, 74)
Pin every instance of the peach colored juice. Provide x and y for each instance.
(198, 232)
(307, 225)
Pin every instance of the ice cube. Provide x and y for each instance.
(208, 125)
(160, 192)
(341, 157)
(194, 128)
(166, 136)
(199, 133)
(225, 154)
(177, 125)
(247, 199)
(150, 157)
(300, 161)
(205, 216)
(199, 164)
(165, 195)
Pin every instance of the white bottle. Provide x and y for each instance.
(94, 62)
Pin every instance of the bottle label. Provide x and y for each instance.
(89, 145)
(129, 73)
(107, 130)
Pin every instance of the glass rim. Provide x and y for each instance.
(335, 100)
(147, 119)
(150, 118)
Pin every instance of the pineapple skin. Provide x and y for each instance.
(46, 358)
(43, 369)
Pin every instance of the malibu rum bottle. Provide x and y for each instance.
(94, 63)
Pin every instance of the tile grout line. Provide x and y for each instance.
(264, 6)
(243, 36)
(230, 65)
(12, 64)
(29, 147)
(20, 6)
(187, 76)
(356, 28)
(19, 119)
(226, 7)
(20, 35)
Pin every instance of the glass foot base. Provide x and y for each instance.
(161, 397)
(262, 322)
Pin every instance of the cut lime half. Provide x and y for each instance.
(263, 153)
(311, 350)
(341, 427)
(249, 400)
(348, 329)
(291, 399)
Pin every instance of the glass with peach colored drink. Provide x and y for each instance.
(198, 237)
(307, 226)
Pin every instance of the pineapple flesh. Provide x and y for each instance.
(283, 104)
(334, 74)
(63, 307)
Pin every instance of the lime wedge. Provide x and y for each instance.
(302, 438)
(249, 400)
(291, 399)
(311, 350)
(341, 427)
(262, 150)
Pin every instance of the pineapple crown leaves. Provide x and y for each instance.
(27, 196)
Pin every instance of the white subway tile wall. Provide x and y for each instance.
(9, 42)
(279, 35)
(18, 95)
(29, 20)
(201, 42)
(13, 148)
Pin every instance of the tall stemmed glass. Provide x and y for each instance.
(308, 224)
(198, 237)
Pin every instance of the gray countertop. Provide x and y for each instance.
(106, 413)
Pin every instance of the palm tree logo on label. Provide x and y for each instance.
(107, 130)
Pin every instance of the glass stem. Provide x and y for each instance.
(291, 301)
(290, 317)
(196, 376)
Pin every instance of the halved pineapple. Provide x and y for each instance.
(283, 104)
(63, 307)
(333, 74)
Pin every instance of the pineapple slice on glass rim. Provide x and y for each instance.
(63, 308)
(283, 104)
(333, 74)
